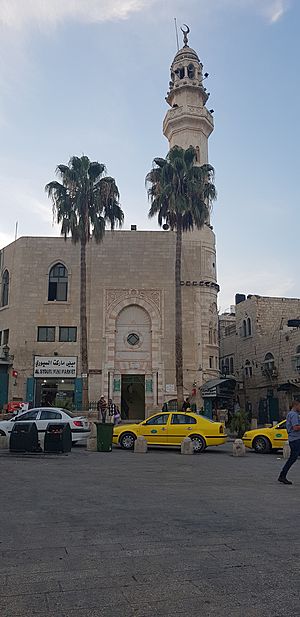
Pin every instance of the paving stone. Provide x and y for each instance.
(148, 536)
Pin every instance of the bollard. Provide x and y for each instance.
(91, 444)
(93, 428)
(4, 442)
(286, 450)
(238, 448)
(187, 446)
(140, 445)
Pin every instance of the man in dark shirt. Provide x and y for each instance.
(293, 429)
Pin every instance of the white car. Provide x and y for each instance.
(43, 415)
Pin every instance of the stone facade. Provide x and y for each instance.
(264, 353)
(130, 288)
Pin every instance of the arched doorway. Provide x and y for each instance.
(133, 357)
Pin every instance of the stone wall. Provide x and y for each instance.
(129, 267)
(266, 357)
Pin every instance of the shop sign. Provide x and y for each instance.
(170, 388)
(209, 392)
(117, 385)
(48, 366)
(149, 385)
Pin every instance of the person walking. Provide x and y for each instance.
(186, 404)
(293, 429)
(113, 412)
(102, 408)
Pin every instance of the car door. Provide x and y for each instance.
(155, 430)
(29, 416)
(45, 417)
(279, 435)
(182, 425)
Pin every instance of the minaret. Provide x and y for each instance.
(188, 122)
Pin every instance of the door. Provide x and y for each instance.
(29, 416)
(279, 435)
(45, 417)
(181, 426)
(133, 397)
(3, 385)
(156, 429)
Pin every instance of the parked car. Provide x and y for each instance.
(169, 429)
(43, 415)
(264, 440)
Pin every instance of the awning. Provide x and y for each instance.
(209, 389)
(288, 386)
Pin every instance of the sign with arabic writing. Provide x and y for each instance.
(55, 366)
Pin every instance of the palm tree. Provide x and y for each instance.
(180, 193)
(83, 202)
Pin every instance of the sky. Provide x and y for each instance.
(91, 76)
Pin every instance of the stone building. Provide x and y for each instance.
(260, 346)
(130, 297)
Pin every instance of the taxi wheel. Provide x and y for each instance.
(261, 445)
(127, 440)
(198, 443)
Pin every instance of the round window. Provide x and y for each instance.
(133, 338)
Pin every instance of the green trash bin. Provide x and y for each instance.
(104, 436)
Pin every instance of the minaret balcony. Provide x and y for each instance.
(188, 117)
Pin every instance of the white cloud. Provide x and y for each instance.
(271, 10)
(19, 14)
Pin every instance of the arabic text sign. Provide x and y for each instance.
(55, 366)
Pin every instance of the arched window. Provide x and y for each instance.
(210, 334)
(249, 327)
(180, 72)
(248, 369)
(191, 71)
(244, 329)
(5, 288)
(269, 362)
(197, 154)
(231, 366)
(58, 283)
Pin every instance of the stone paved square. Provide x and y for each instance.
(153, 535)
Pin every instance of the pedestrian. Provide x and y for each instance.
(186, 404)
(102, 408)
(124, 409)
(293, 429)
(113, 412)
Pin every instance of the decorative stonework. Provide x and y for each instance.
(116, 295)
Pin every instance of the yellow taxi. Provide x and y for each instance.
(169, 429)
(263, 440)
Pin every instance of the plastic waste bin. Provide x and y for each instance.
(104, 436)
(58, 437)
(24, 437)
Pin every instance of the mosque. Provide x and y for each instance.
(130, 296)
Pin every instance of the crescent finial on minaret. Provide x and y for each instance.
(185, 35)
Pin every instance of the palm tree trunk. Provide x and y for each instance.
(83, 327)
(178, 319)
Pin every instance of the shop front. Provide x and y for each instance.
(55, 381)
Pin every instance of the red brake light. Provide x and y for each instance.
(77, 422)
(221, 429)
